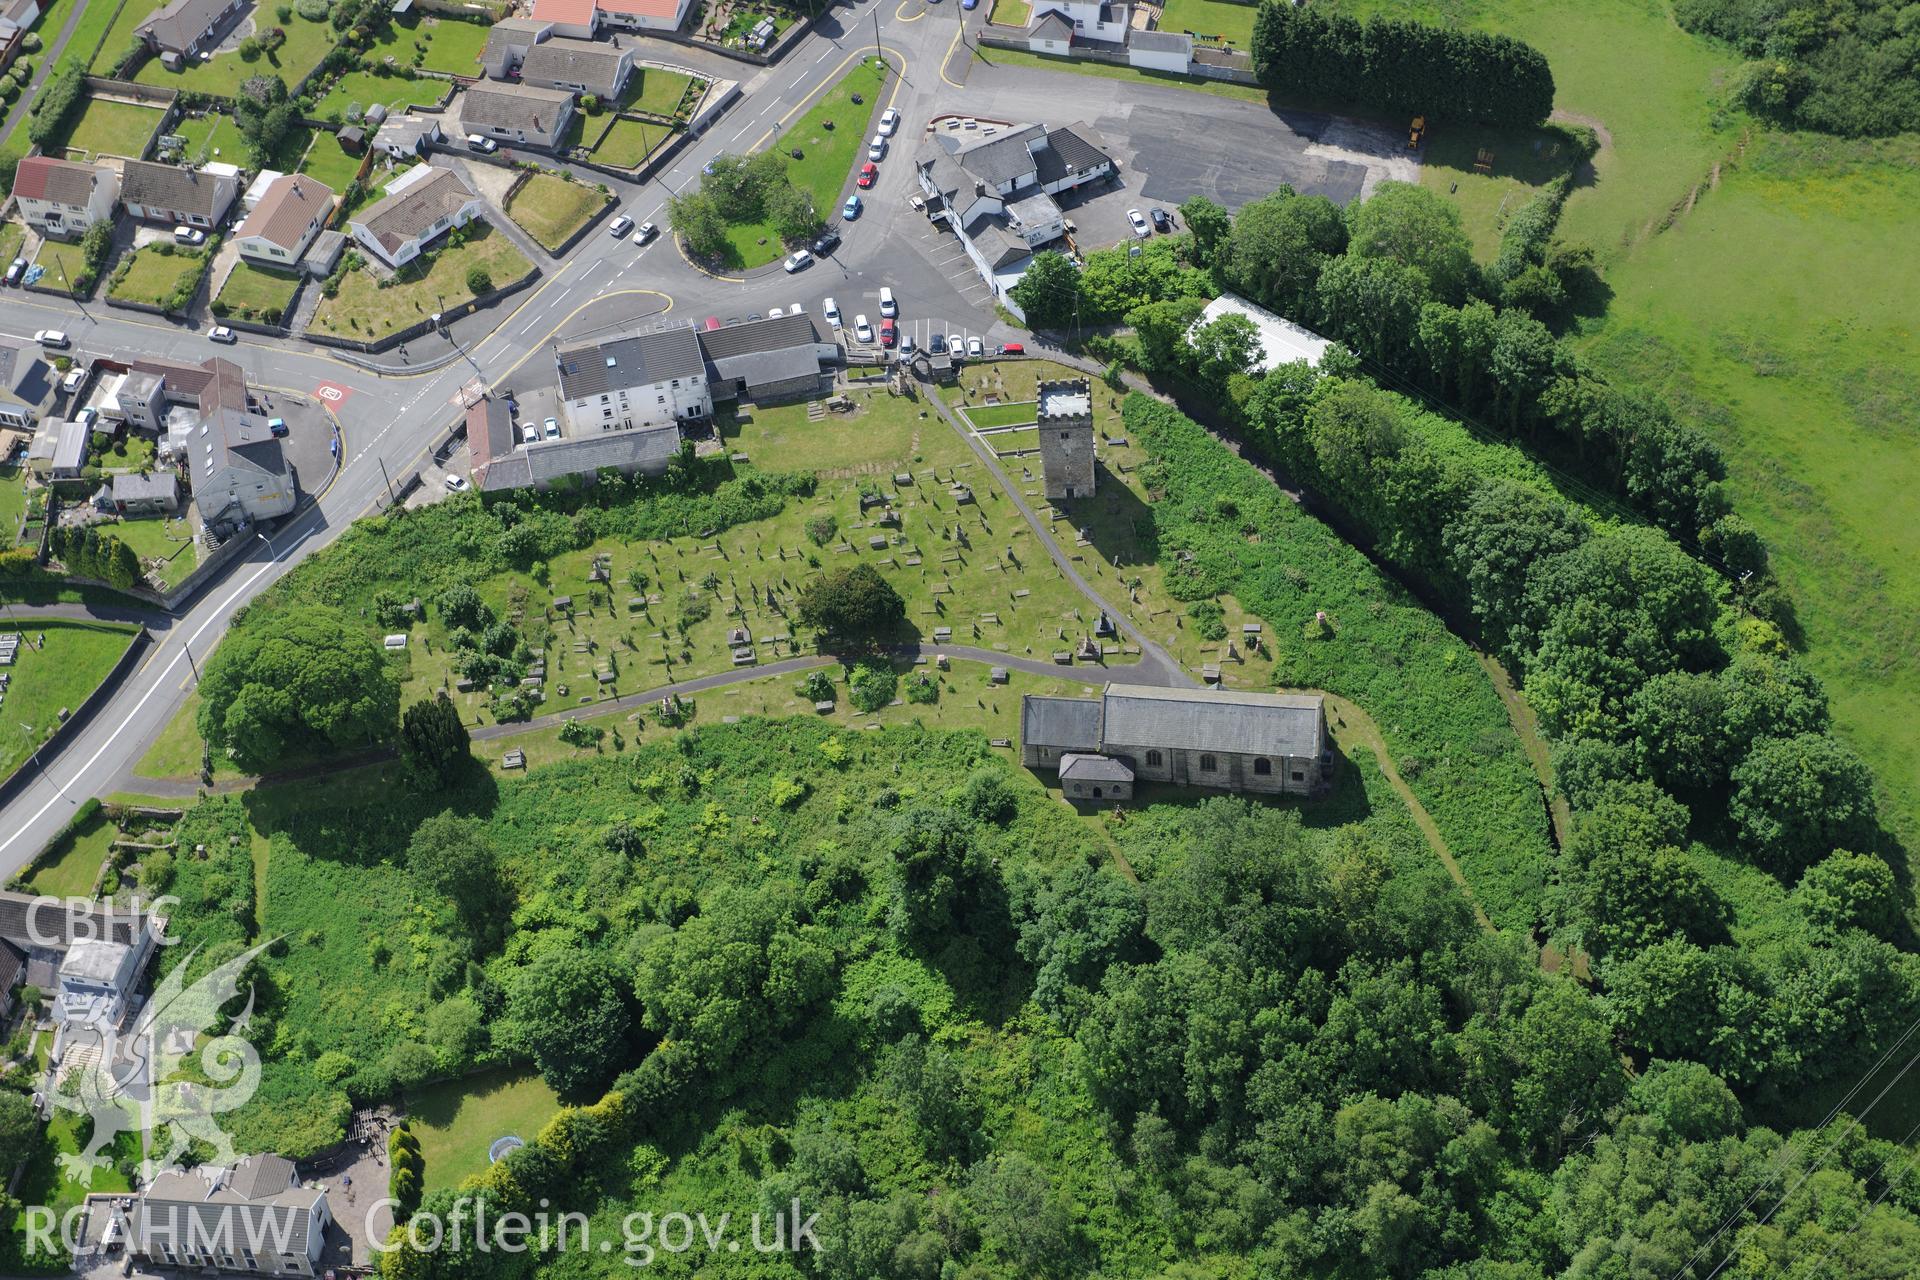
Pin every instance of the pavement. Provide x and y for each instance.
(394, 406)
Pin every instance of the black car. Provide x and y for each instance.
(936, 344)
(825, 243)
(1161, 222)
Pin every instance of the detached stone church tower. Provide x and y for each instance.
(1065, 417)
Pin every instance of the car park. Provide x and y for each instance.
(52, 338)
(455, 483)
(888, 332)
(553, 428)
(831, 310)
(889, 122)
(220, 333)
(646, 233)
(862, 329)
(798, 260)
(1139, 223)
(851, 209)
(877, 149)
(1161, 222)
(869, 173)
(974, 348)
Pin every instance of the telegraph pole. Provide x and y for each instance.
(391, 500)
(876, 37)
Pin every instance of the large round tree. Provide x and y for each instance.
(853, 603)
(296, 681)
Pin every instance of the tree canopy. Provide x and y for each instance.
(296, 681)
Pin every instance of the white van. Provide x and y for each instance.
(887, 306)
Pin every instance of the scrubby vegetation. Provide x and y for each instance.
(1846, 66)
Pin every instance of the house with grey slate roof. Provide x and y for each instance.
(175, 194)
(522, 114)
(255, 1218)
(1264, 743)
(780, 358)
(184, 29)
(578, 66)
(420, 206)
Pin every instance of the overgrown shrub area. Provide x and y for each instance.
(1437, 708)
(1847, 66)
(1401, 67)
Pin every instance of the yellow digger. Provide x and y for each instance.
(1417, 133)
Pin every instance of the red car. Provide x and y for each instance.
(888, 332)
(1012, 349)
(868, 173)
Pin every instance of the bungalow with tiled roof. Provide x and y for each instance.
(579, 66)
(421, 205)
(518, 113)
(284, 223)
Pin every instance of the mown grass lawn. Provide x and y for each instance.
(130, 451)
(452, 46)
(550, 208)
(307, 43)
(213, 136)
(628, 143)
(457, 1121)
(1230, 22)
(69, 868)
(1011, 13)
(120, 37)
(255, 293)
(109, 128)
(327, 161)
(364, 88)
(64, 265)
(13, 502)
(362, 309)
(165, 541)
(655, 89)
(76, 658)
(156, 272)
(1001, 415)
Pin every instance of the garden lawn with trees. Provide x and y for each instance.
(308, 40)
(362, 308)
(550, 207)
(450, 46)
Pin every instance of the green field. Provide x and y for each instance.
(155, 273)
(551, 208)
(456, 1122)
(70, 867)
(1232, 23)
(655, 89)
(307, 43)
(255, 293)
(59, 677)
(109, 128)
(452, 47)
(362, 309)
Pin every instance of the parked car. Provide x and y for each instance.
(277, 427)
(937, 344)
(862, 329)
(18, 269)
(52, 338)
(798, 260)
(826, 242)
(189, 235)
(220, 333)
(529, 432)
(1161, 222)
(71, 383)
(869, 173)
(888, 333)
(851, 209)
(619, 227)
(906, 344)
(888, 307)
(1140, 227)
(974, 348)
(831, 310)
(889, 122)
(553, 428)
(774, 313)
(1013, 349)
(956, 343)
(969, 4)
(456, 483)
(713, 322)
(484, 145)
(877, 149)
(646, 233)
(90, 415)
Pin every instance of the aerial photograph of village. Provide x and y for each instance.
(960, 639)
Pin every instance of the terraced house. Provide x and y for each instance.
(61, 199)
